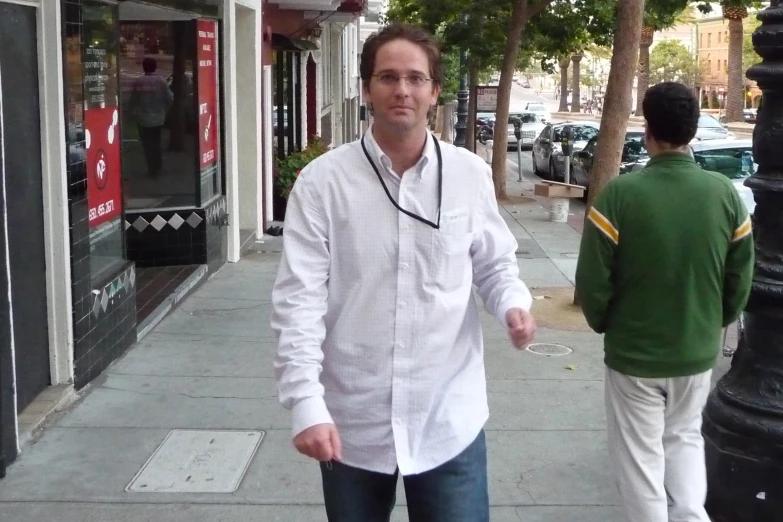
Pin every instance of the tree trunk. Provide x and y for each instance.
(576, 99)
(470, 132)
(614, 119)
(735, 99)
(507, 69)
(564, 63)
(643, 82)
(618, 98)
(446, 118)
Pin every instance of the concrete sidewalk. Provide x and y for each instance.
(208, 366)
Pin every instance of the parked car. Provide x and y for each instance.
(733, 158)
(712, 129)
(540, 110)
(634, 153)
(548, 159)
(530, 124)
(485, 126)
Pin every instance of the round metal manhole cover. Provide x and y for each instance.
(550, 350)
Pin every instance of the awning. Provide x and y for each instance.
(281, 42)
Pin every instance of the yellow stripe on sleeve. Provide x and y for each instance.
(743, 230)
(604, 225)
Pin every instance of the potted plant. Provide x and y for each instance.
(288, 168)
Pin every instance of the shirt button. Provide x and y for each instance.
(406, 227)
(403, 303)
(400, 345)
(404, 266)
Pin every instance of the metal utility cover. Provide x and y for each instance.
(198, 461)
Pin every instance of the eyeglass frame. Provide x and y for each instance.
(398, 78)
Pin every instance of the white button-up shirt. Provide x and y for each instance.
(377, 325)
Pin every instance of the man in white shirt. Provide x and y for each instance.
(380, 355)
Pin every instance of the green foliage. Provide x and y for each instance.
(288, 169)
(670, 61)
(749, 56)
(451, 73)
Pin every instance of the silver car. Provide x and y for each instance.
(712, 129)
(731, 157)
(531, 126)
(548, 159)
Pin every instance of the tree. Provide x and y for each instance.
(659, 15)
(564, 62)
(614, 118)
(522, 11)
(735, 13)
(576, 100)
(671, 61)
(749, 55)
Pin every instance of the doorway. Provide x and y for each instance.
(23, 180)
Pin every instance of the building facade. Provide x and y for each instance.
(311, 78)
(712, 42)
(128, 176)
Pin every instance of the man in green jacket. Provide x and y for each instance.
(666, 263)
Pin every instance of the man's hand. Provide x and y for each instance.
(321, 442)
(521, 327)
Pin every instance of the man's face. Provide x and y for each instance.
(399, 105)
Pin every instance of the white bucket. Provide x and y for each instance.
(558, 210)
(490, 145)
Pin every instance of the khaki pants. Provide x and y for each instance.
(656, 446)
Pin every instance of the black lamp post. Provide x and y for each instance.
(460, 129)
(743, 420)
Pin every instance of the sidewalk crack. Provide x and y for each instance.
(159, 394)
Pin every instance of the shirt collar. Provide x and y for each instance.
(665, 157)
(428, 156)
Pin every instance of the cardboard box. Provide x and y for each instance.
(553, 189)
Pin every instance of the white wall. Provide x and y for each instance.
(249, 120)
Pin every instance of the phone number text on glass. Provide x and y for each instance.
(102, 209)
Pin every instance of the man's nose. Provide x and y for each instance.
(402, 88)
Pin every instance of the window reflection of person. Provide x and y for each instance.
(150, 101)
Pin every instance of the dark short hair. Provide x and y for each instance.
(672, 112)
(150, 65)
(400, 31)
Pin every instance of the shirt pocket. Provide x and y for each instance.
(451, 262)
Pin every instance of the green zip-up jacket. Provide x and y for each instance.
(666, 262)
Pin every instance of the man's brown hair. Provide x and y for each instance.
(400, 31)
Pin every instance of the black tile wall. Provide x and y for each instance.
(166, 238)
(179, 237)
(217, 234)
(101, 333)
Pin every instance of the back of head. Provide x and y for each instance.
(149, 65)
(672, 113)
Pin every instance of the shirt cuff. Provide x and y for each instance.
(523, 301)
(309, 412)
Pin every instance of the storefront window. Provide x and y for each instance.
(209, 128)
(100, 130)
(159, 114)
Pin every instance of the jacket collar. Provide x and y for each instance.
(670, 157)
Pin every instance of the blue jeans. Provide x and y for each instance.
(456, 491)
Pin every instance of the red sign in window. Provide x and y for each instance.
(207, 93)
(102, 143)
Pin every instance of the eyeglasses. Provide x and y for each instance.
(391, 79)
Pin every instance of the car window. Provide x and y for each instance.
(557, 134)
(590, 147)
(734, 163)
(708, 122)
(634, 148)
(584, 133)
(524, 118)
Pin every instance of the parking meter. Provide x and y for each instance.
(518, 134)
(567, 144)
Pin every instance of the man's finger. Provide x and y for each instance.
(323, 450)
(337, 447)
